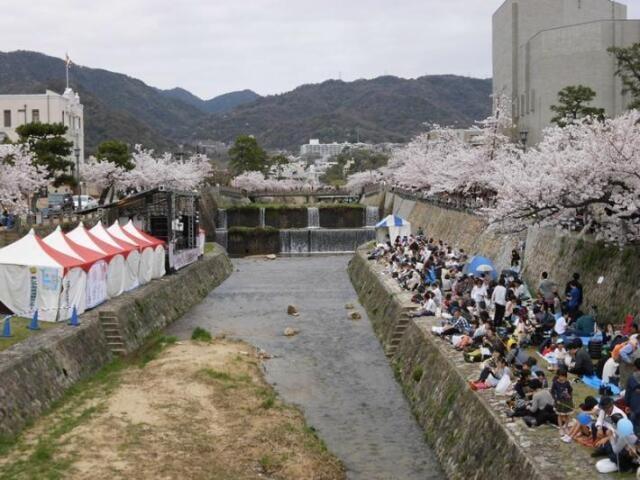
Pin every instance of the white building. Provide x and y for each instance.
(543, 46)
(49, 107)
(324, 150)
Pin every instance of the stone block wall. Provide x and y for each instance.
(36, 372)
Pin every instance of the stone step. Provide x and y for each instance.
(111, 331)
(113, 345)
(119, 351)
(397, 336)
(109, 324)
(116, 338)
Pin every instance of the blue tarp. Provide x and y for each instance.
(475, 264)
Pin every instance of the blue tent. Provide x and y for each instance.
(392, 221)
(478, 266)
(392, 226)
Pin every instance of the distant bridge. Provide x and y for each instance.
(317, 195)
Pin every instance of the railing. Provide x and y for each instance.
(301, 193)
(231, 191)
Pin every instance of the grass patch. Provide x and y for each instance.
(314, 442)
(216, 375)
(270, 464)
(150, 350)
(269, 402)
(201, 335)
(20, 332)
(417, 374)
(209, 248)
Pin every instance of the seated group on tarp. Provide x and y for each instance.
(493, 320)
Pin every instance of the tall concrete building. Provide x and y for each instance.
(542, 46)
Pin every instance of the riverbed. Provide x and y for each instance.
(334, 369)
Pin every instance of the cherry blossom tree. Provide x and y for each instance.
(257, 181)
(21, 178)
(150, 171)
(443, 162)
(588, 172)
(102, 174)
(357, 181)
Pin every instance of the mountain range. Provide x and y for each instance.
(384, 109)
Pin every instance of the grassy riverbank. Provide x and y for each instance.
(197, 410)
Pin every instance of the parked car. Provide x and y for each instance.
(60, 203)
(83, 202)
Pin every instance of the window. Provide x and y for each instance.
(7, 118)
(35, 115)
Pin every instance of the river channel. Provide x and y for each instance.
(334, 369)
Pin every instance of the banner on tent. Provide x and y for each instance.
(49, 278)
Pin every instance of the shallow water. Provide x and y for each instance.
(335, 369)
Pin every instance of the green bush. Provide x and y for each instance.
(417, 374)
(201, 335)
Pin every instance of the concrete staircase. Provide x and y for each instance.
(111, 328)
(398, 332)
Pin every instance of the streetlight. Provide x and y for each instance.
(524, 135)
(77, 152)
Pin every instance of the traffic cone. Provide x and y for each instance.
(34, 325)
(74, 322)
(6, 329)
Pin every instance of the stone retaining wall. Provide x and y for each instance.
(37, 372)
(470, 435)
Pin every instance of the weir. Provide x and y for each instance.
(372, 216)
(313, 217)
(321, 240)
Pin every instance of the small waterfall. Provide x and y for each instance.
(372, 216)
(221, 237)
(262, 218)
(313, 217)
(222, 219)
(221, 228)
(320, 240)
(294, 241)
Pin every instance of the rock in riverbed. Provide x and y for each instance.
(355, 316)
(292, 310)
(290, 332)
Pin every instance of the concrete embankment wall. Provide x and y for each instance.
(559, 252)
(465, 429)
(37, 372)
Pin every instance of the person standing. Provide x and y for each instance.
(499, 300)
(547, 290)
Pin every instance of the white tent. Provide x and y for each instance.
(35, 276)
(159, 261)
(145, 266)
(129, 251)
(96, 291)
(116, 269)
(392, 226)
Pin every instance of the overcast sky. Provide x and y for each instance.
(215, 46)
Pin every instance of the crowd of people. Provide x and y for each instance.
(533, 346)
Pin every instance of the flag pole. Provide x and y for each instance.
(67, 62)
